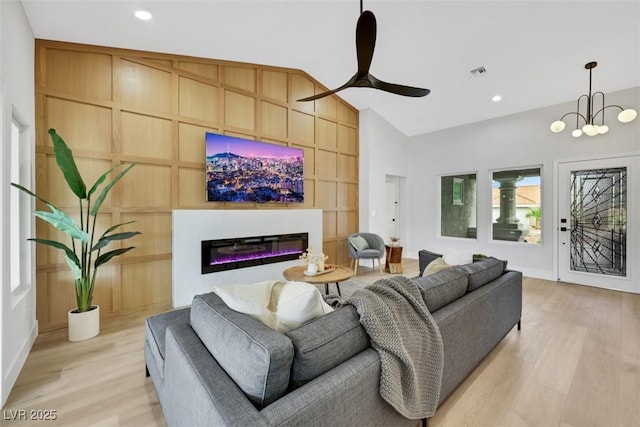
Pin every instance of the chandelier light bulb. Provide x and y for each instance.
(590, 130)
(557, 126)
(603, 129)
(576, 133)
(587, 129)
(627, 115)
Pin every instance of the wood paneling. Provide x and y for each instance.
(144, 86)
(146, 136)
(115, 105)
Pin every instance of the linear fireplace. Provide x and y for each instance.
(232, 253)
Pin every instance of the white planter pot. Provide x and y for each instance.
(83, 326)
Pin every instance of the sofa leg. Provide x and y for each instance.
(425, 422)
(146, 371)
(519, 321)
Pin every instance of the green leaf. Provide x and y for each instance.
(63, 222)
(106, 257)
(29, 192)
(105, 190)
(75, 269)
(66, 163)
(105, 240)
(69, 254)
(113, 227)
(100, 180)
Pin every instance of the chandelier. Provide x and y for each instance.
(591, 127)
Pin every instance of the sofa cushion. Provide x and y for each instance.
(280, 306)
(257, 358)
(442, 288)
(482, 272)
(326, 342)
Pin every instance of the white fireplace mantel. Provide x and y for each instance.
(191, 227)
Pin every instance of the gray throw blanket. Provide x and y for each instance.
(408, 341)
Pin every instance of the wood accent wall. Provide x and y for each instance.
(115, 105)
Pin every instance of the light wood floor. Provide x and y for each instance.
(576, 362)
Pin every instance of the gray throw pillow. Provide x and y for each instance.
(358, 243)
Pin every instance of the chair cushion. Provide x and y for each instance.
(359, 243)
(483, 272)
(442, 288)
(257, 358)
(326, 342)
(370, 253)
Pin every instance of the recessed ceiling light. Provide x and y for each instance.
(496, 98)
(143, 15)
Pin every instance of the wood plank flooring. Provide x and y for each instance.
(576, 362)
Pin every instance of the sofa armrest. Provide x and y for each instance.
(198, 392)
(347, 395)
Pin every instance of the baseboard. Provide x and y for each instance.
(535, 273)
(18, 362)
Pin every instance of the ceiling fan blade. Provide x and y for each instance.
(415, 92)
(365, 41)
(330, 92)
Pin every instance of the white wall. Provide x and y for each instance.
(384, 150)
(514, 141)
(18, 324)
(191, 227)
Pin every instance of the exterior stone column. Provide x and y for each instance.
(508, 200)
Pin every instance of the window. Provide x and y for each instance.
(20, 210)
(458, 206)
(516, 207)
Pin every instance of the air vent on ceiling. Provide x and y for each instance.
(477, 72)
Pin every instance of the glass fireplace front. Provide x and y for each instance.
(232, 253)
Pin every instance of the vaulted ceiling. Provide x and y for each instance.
(534, 52)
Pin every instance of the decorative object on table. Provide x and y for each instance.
(85, 255)
(316, 259)
(394, 240)
(372, 248)
(590, 126)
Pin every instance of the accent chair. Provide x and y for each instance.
(365, 246)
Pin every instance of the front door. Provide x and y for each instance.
(596, 198)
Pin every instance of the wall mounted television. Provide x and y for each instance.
(242, 170)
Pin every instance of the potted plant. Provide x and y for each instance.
(85, 255)
(534, 216)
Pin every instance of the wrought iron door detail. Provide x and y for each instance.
(599, 221)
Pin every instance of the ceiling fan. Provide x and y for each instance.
(365, 43)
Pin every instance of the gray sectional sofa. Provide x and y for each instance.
(212, 366)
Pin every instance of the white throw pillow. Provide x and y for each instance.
(359, 243)
(295, 303)
(435, 266)
(457, 258)
(251, 299)
(299, 302)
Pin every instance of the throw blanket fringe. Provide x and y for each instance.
(408, 341)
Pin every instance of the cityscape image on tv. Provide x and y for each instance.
(240, 170)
